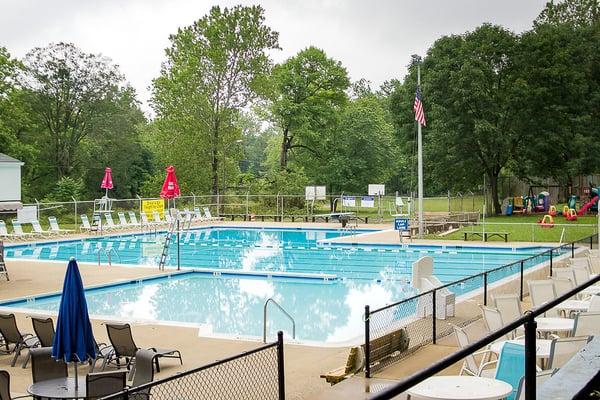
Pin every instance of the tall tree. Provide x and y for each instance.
(308, 96)
(214, 68)
(67, 88)
(575, 12)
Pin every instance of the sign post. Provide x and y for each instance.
(401, 225)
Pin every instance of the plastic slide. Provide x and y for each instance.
(587, 205)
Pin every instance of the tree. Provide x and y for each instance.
(575, 12)
(309, 92)
(214, 68)
(67, 87)
(470, 86)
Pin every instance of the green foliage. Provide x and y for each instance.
(309, 93)
(66, 189)
(574, 12)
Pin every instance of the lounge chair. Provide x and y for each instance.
(5, 387)
(85, 224)
(55, 228)
(101, 384)
(4, 232)
(123, 221)
(562, 349)
(198, 216)
(44, 330)
(18, 230)
(12, 335)
(44, 367)
(132, 218)
(354, 364)
(103, 351)
(110, 224)
(124, 346)
(145, 221)
(209, 216)
(157, 220)
(144, 373)
(37, 229)
(3, 270)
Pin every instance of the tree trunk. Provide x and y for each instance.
(284, 150)
(494, 187)
(215, 159)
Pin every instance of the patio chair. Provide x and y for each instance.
(100, 384)
(144, 373)
(511, 366)
(354, 364)
(493, 320)
(103, 351)
(132, 218)
(509, 306)
(38, 230)
(5, 387)
(540, 378)
(123, 220)
(44, 367)
(12, 335)
(110, 224)
(587, 323)
(209, 216)
(44, 330)
(55, 228)
(18, 230)
(562, 285)
(124, 346)
(594, 303)
(198, 215)
(4, 232)
(562, 349)
(3, 270)
(470, 366)
(145, 221)
(86, 225)
(543, 291)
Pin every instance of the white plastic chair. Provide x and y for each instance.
(587, 323)
(85, 223)
(594, 303)
(209, 216)
(493, 320)
(541, 292)
(4, 232)
(562, 349)
(509, 306)
(540, 378)
(18, 230)
(110, 224)
(123, 220)
(470, 366)
(37, 228)
(55, 228)
(132, 218)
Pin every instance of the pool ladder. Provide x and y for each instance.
(271, 300)
(107, 253)
(165, 250)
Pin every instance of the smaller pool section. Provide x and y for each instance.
(323, 285)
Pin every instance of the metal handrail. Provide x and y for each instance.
(271, 300)
(107, 252)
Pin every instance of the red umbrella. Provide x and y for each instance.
(170, 188)
(107, 181)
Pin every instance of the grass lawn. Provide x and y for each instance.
(525, 228)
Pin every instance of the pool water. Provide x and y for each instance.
(249, 266)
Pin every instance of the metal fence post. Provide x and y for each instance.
(280, 364)
(75, 202)
(433, 330)
(591, 242)
(530, 357)
(572, 249)
(367, 343)
(178, 249)
(485, 284)
(551, 257)
(521, 292)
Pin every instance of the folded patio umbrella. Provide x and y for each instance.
(74, 339)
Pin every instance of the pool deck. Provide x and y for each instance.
(303, 364)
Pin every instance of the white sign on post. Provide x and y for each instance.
(315, 193)
(376, 190)
(367, 201)
(27, 214)
(349, 201)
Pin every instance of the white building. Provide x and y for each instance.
(10, 183)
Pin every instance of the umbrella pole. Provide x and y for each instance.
(76, 379)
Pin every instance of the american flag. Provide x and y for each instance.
(418, 108)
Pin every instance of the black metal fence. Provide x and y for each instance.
(254, 374)
(423, 319)
(527, 321)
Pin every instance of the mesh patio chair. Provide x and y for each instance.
(44, 367)
(540, 378)
(44, 330)
(511, 366)
(543, 291)
(562, 349)
(133, 218)
(509, 306)
(493, 320)
(100, 384)
(12, 335)
(103, 351)
(124, 346)
(55, 228)
(144, 373)
(587, 323)
(5, 387)
(594, 303)
(470, 365)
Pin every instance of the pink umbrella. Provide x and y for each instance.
(107, 182)
(170, 187)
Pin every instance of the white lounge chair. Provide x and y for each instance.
(110, 224)
(18, 230)
(132, 218)
(38, 230)
(4, 232)
(145, 221)
(55, 228)
(209, 216)
(123, 220)
(85, 224)
(156, 217)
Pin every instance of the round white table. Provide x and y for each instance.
(460, 388)
(542, 346)
(573, 305)
(591, 290)
(549, 324)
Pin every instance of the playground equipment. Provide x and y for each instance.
(571, 215)
(547, 221)
(553, 212)
(591, 205)
(542, 202)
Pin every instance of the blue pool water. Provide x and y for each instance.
(249, 267)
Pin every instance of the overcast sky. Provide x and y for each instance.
(373, 39)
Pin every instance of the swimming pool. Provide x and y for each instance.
(323, 285)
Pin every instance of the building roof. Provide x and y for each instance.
(5, 158)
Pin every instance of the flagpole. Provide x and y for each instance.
(420, 162)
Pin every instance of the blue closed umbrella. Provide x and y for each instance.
(74, 340)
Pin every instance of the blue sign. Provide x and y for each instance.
(401, 224)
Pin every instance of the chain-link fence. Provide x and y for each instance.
(255, 374)
(397, 330)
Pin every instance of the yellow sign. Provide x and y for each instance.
(149, 206)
